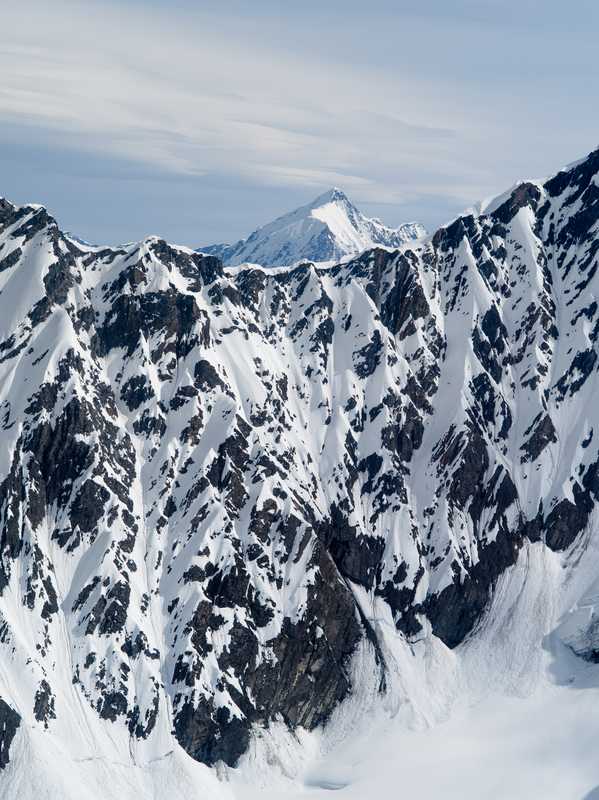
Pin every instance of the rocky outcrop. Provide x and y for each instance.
(9, 724)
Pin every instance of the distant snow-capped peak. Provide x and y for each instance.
(330, 228)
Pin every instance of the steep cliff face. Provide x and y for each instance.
(215, 484)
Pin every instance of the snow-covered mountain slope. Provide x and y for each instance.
(328, 229)
(236, 504)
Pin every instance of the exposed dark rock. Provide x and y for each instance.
(526, 194)
(210, 735)
(405, 301)
(9, 724)
(136, 391)
(369, 356)
(88, 506)
(115, 613)
(356, 557)
(567, 520)
(542, 435)
(44, 704)
(455, 611)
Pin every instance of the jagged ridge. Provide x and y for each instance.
(204, 474)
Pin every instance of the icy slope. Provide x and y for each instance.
(510, 713)
(237, 504)
(328, 229)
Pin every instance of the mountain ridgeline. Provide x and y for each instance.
(218, 487)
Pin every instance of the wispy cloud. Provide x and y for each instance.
(188, 99)
(402, 114)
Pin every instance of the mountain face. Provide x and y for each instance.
(328, 229)
(219, 489)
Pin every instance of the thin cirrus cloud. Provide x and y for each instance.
(189, 105)
(227, 102)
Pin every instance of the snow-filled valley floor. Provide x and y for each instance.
(511, 713)
(542, 746)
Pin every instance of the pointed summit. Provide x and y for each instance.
(330, 228)
(333, 195)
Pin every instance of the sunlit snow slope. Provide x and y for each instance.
(328, 229)
(236, 505)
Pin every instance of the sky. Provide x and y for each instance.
(199, 120)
